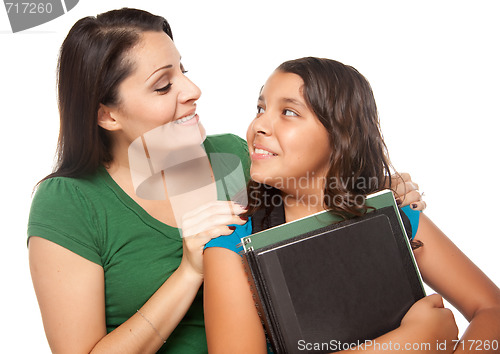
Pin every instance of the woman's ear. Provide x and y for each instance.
(106, 118)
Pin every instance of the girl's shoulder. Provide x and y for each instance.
(414, 217)
(232, 242)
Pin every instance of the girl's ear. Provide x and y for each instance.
(106, 118)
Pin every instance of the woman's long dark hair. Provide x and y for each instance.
(92, 64)
(343, 101)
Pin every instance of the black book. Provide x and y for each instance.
(321, 285)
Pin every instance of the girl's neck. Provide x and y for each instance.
(299, 206)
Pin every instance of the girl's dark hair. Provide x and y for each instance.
(343, 101)
(92, 64)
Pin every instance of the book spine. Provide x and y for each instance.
(261, 309)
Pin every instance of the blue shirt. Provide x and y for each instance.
(414, 216)
(233, 242)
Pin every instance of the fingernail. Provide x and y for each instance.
(398, 202)
(232, 228)
(414, 206)
(244, 217)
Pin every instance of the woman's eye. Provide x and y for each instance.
(260, 110)
(164, 89)
(290, 113)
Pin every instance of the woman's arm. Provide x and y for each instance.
(231, 320)
(70, 291)
(448, 271)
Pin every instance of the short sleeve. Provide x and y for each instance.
(414, 217)
(60, 212)
(232, 242)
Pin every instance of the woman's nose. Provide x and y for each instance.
(189, 91)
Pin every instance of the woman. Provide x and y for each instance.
(109, 266)
(317, 121)
(98, 252)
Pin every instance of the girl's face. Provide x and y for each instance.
(157, 92)
(288, 145)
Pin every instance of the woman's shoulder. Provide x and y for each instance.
(63, 210)
(56, 188)
(225, 143)
(69, 187)
(226, 147)
(68, 198)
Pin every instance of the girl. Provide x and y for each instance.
(317, 123)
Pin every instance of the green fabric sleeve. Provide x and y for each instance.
(61, 213)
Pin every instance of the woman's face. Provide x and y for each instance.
(288, 145)
(157, 92)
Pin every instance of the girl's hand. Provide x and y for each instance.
(430, 322)
(406, 192)
(204, 223)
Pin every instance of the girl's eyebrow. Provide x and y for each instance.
(285, 100)
(292, 101)
(163, 67)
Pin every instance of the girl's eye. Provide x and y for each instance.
(289, 113)
(164, 89)
(260, 110)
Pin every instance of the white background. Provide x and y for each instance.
(433, 65)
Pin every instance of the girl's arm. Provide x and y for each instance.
(70, 292)
(231, 320)
(230, 310)
(233, 326)
(449, 272)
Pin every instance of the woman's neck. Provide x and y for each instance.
(186, 180)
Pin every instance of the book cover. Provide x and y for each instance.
(321, 285)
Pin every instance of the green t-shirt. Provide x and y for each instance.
(94, 218)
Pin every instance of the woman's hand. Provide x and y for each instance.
(430, 322)
(204, 223)
(406, 192)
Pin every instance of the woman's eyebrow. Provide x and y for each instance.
(163, 67)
